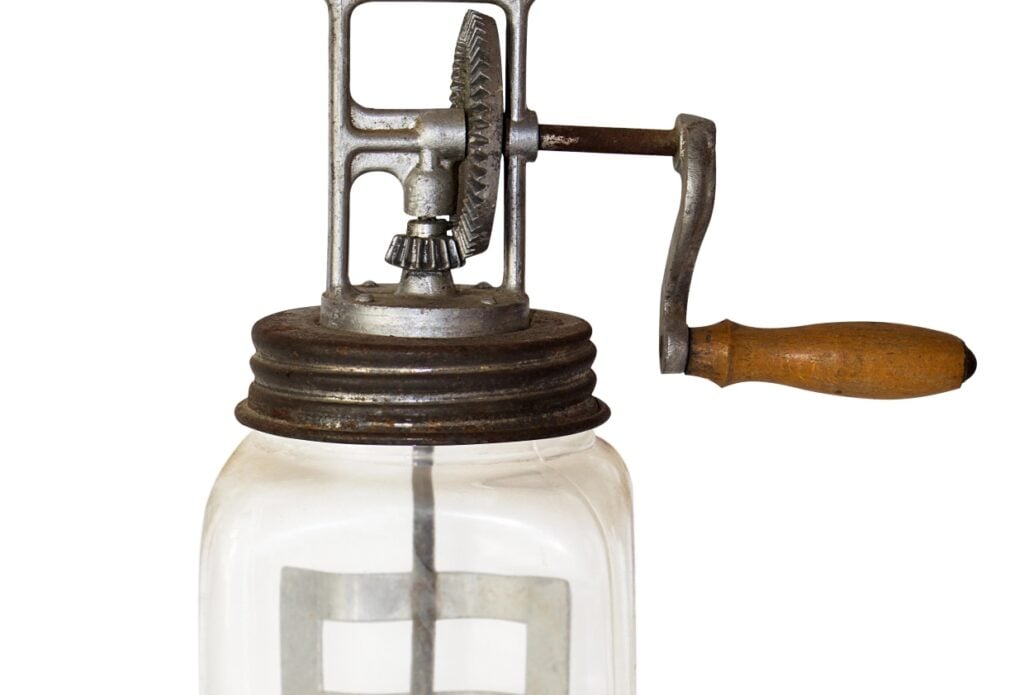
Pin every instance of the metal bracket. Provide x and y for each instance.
(364, 140)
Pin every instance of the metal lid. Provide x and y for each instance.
(319, 383)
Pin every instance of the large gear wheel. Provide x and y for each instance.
(477, 90)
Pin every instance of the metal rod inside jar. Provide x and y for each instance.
(424, 575)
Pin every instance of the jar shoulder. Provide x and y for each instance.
(261, 458)
(294, 478)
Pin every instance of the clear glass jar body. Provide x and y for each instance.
(499, 568)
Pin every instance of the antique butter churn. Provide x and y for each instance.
(423, 506)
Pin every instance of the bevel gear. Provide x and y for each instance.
(477, 90)
(424, 255)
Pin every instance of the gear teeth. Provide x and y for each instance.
(477, 90)
(432, 254)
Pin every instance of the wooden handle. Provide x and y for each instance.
(864, 360)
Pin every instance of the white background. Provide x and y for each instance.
(163, 185)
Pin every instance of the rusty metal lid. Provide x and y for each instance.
(319, 383)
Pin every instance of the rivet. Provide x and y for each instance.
(364, 298)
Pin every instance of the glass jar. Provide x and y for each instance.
(340, 568)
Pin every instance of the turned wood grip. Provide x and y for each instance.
(863, 360)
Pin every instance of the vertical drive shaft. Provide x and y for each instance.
(424, 576)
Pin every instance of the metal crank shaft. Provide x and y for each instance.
(575, 138)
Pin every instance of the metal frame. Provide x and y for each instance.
(364, 140)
